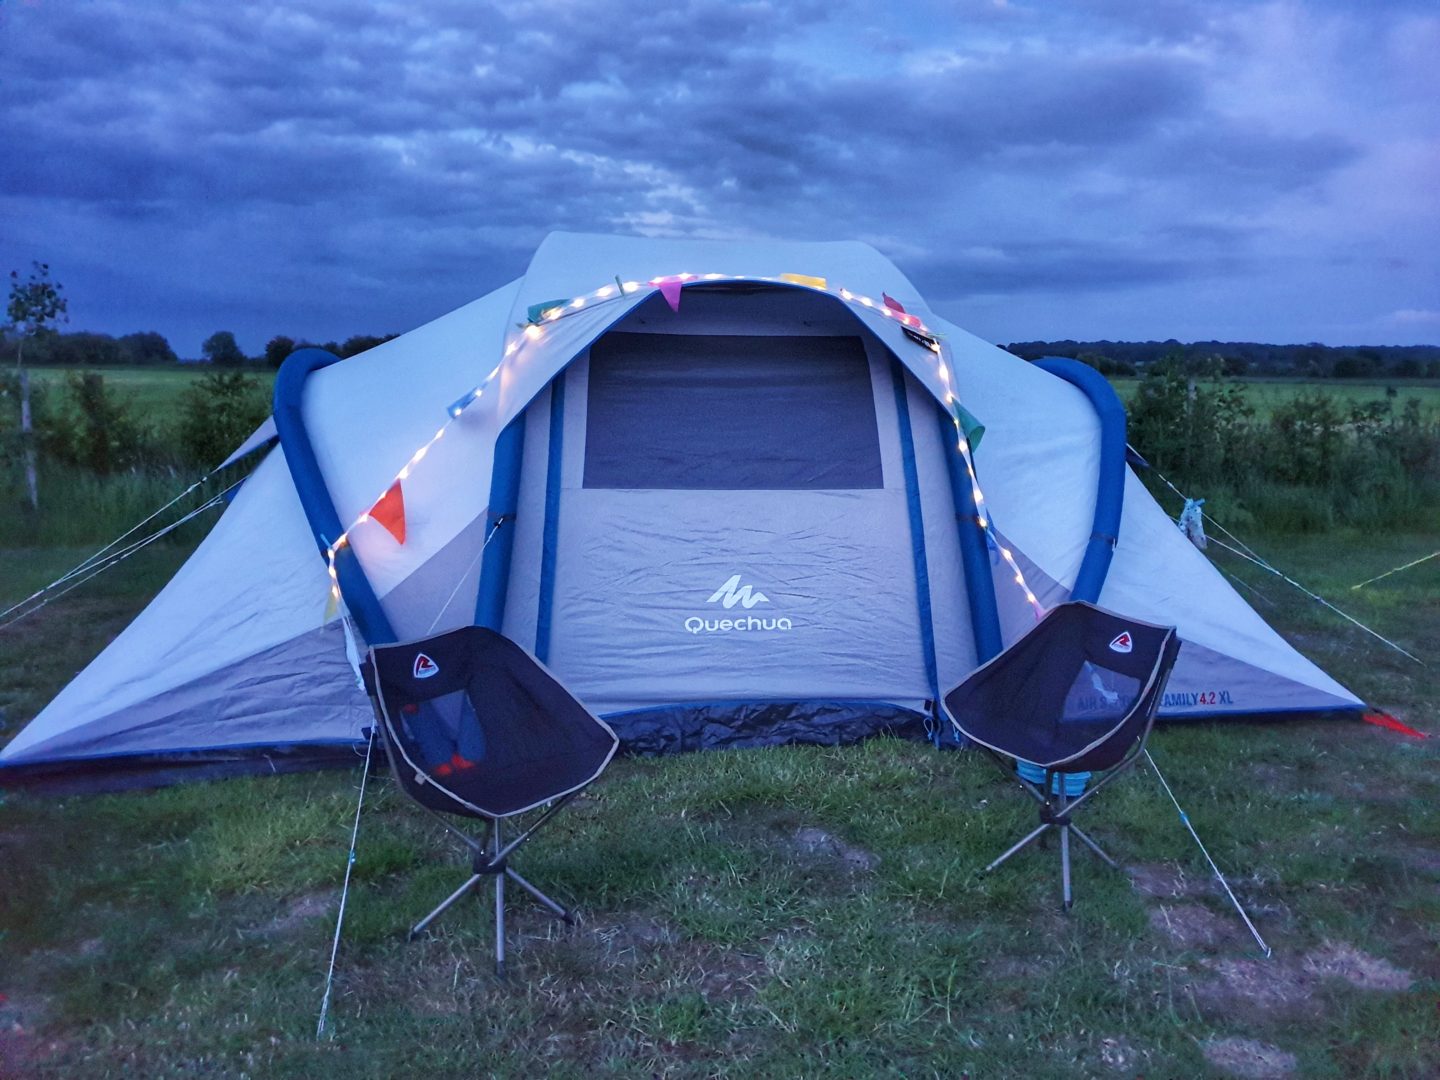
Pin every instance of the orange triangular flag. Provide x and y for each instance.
(390, 512)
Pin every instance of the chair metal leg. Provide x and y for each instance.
(554, 908)
(1065, 867)
(448, 902)
(491, 860)
(1033, 836)
(499, 906)
(1085, 839)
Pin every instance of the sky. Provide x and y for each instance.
(1190, 169)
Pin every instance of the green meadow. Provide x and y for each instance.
(800, 911)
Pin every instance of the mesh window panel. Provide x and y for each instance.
(724, 412)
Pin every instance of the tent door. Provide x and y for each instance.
(711, 519)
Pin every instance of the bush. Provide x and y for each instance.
(218, 413)
(1190, 424)
(94, 427)
(1312, 464)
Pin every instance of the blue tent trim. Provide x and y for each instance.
(917, 534)
(1110, 490)
(550, 541)
(504, 503)
(315, 495)
(974, 549)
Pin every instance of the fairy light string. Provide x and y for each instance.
(536, 328)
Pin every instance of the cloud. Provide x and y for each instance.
(320, 169)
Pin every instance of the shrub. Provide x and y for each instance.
(1191, 425)
(94, 427)
(217, 414)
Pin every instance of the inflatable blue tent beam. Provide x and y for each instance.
(314, 494)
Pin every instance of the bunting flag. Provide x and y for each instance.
(670, 289)
(892, 303)
(332, 607)
(803, 279)
(1385, 720)
(390, 512)
(536, 313)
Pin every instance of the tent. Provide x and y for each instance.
(723, 490)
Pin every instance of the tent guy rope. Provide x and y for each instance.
(1185, 820)
(1244, 551)
(92, 569)
(1387, 573)
(87, 563)
(345, 891)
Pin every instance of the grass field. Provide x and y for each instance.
(799, 911)
(1265, 394)
(154, 392)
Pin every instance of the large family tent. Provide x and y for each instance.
(716, 487)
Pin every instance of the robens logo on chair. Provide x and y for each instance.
(747, 596)
(1122, 642)
(425, 667)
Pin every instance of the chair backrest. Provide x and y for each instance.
(475, 725)
(1074, 694)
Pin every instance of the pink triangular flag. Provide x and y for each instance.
(892, 303)
(670, 289)
(390, 512)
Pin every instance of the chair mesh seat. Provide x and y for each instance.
(1073, 693)
(480, 727)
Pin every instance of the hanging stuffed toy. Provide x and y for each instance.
(1192, 522)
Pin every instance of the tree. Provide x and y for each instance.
(220, 349)
(277, 349)
(360, 342)
(34, 303)
(147, 347)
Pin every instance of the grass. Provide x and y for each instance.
(148, 390)
(798, 911)
(1265, 394)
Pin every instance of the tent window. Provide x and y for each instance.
(730, 413)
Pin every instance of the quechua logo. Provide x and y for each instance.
(728, 596)
(732, 593)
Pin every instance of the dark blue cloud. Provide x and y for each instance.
(322, 168)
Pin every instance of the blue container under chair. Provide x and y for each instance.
(1074, 783)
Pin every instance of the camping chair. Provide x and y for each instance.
(1075, 696)
(476, 727)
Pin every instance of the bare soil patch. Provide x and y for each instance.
(1288, 985)
(1191, 926)
(1241, 986)
(810, 840)
(1249, 1058)
(295, 914)
(1164, 881)
(1344, 961)
(714, 971)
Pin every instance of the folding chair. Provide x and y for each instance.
(1075, 696)
(476, 727)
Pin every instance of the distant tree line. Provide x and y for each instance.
(1247, 357)
(84, 349)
